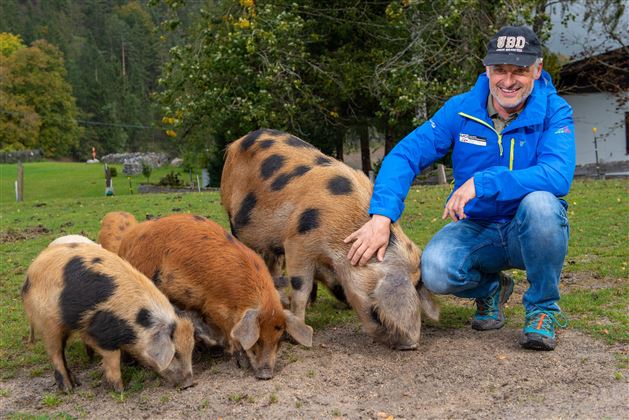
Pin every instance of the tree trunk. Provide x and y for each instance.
(388, 139)
(339, 146)
(365, 153)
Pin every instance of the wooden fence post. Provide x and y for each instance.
(20, 182)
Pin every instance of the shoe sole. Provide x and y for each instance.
(537, 342)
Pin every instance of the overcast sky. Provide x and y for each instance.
(572, 39)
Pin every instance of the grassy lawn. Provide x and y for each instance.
(598, 249)
(46, 180)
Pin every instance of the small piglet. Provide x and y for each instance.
(81, 287)
(203, 268)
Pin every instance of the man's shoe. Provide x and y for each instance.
(539, 329)
(490, 310)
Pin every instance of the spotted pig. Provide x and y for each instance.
(112, 228)
(81, 287)
(203, 268)
(285, 198)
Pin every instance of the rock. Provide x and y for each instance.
(177, 162)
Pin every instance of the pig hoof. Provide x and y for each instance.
(264, 374)
(405, 347)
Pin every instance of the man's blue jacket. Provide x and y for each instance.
(535, 152)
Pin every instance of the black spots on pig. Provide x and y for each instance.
(157, 277)
(297, 142)
(83, 289)
(229, 236)
(97, 260)
(110, 331)
(144, 318)
(199, 218)
(251, 138)
(283, 179)
(265, 144)
(323, 161)
(270, 165)
(74, 244)
(26, 286)
(243, 217)
(308, 220)
(340, 185)
(296, 282)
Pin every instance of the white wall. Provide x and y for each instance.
(598, 110)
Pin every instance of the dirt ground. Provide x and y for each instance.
(456, 373)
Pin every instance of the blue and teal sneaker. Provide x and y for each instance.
(539, 329)
(490, 310)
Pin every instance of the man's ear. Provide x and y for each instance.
(538, 71)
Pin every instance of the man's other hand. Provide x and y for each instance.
(458, 200)
(372, 237)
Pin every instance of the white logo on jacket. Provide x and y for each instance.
(468, 138)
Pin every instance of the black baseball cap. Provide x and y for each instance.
(517, 45)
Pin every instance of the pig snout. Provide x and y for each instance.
(264, 372)
(187, 382)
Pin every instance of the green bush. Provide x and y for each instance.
(171, 179)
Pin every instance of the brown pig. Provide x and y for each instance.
(203, 268)
(285, 198)
(81, 287)
(112, 227)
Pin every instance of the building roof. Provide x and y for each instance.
(606, 72)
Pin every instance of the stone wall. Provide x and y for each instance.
(21, 156)
(132, 162)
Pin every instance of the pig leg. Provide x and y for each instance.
(31, 336)
(111, 366)
(55, 347)
(89, 350)
(300, 270)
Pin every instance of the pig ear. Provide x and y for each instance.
(428, 303)
(301, 332)
(247, 330)
(161, 349)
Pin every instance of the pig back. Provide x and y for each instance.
(275, 186)
(69, 281)
(196, 263)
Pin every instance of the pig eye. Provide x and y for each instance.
(278, 328)
(177, 355)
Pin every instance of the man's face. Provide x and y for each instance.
(510, 85)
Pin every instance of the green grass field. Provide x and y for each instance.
(66, 198)
(45, 180)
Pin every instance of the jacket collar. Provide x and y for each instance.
(534, 112)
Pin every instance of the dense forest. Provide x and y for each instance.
(188, 76)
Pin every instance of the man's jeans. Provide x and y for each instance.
(465, 257)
